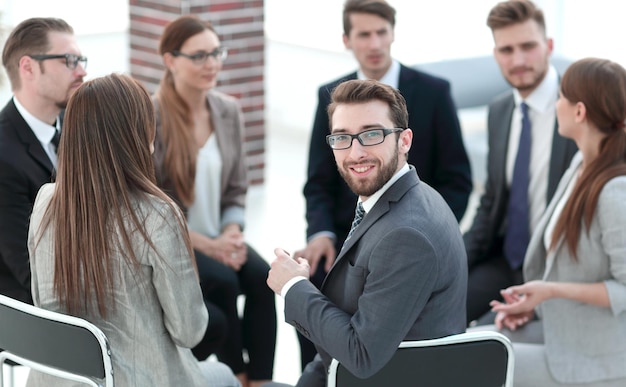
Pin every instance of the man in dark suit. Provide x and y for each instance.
(44, 66)
(494, 247)
(401, 274)
(438, 152)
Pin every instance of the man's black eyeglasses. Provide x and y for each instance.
(201, 57)
(366, 138)
(71, 60)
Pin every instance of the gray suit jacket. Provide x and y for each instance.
(401, 276)
(585, 343)
(484, 238)
(159, 312)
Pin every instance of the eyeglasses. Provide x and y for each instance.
(71, 60)
(201, 57)
(366, 138)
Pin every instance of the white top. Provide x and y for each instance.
(42, 130)
(203, 215)
(542, 113)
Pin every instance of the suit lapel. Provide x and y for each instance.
(537, 243)
(25, 134)
(502, 120)
(557, 159)
(393, 194)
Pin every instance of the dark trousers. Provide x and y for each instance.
(256, 331)
(485, 280)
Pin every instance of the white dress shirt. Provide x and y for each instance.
(542, 112)
(42, 130)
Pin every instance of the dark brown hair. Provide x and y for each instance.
(30, 37)
(361, 91)
(176, 124)
(601, 86)
(104, 162)
(374, 7)
(511, 12)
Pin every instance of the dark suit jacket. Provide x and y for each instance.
(485, 237)
(24, 168)
(401, 276)
(438, 154)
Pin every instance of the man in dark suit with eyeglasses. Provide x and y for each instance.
(44, 66)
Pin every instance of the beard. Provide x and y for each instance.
(528, 85)
(368, 187)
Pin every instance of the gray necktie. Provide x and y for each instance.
(358, 216)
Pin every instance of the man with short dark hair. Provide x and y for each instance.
(401, 273)
(44, 66)
(526, 155)
(437, 152)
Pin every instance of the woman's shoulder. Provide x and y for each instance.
(43, 197)
(221, 100)
(615, 186)
(611, 201)
(156, 209)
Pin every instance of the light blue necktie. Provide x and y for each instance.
(518, 226)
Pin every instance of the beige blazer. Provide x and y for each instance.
(158, 311)
(585, 343)
(228, 126)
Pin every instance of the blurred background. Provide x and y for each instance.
(301, 48)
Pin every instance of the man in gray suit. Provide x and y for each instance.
(401, 274)
(495, 250)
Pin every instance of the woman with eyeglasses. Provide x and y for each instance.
(200, 162)
(107, 245)
(575, 266)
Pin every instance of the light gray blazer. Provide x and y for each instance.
(585, 343)
(401, 276)
(159, 312)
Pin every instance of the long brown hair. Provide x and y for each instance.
(104, 162)
(601, 86)
(176, 124)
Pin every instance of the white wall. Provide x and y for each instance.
(429, 31)
(101, 29)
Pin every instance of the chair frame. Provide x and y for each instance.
(336, 369)
(46, 349)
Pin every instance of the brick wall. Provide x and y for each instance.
(239, 24)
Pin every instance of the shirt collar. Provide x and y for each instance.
(391, 77)
(42, 130)
(543, 97)
(371, 201)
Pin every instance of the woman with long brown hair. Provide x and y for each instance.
(200, 161)
(106, 244)
(575, 266)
